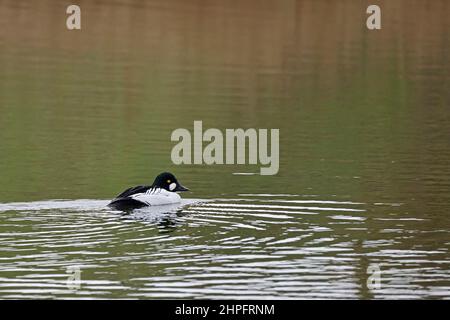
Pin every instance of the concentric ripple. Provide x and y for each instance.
(251, 246)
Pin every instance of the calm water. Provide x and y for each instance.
(364, 119)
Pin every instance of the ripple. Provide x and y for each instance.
(254, 246)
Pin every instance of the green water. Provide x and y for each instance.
(364, 124)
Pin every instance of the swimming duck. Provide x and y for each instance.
(161, 192)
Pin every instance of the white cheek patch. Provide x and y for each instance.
(172, 186)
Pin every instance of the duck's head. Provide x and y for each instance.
(167, 181)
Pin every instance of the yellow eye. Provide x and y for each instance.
(168, 181)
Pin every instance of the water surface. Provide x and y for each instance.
(364, 149)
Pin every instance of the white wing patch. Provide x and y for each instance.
(157, 197)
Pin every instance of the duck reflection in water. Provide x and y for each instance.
(165, 218)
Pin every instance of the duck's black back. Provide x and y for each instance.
(133, 190)
(124, 202)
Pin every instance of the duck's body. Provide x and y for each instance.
(161, 192)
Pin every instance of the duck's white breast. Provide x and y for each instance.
(157, 197)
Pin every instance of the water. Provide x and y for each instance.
(364, 151)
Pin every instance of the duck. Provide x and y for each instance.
(163, 191)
